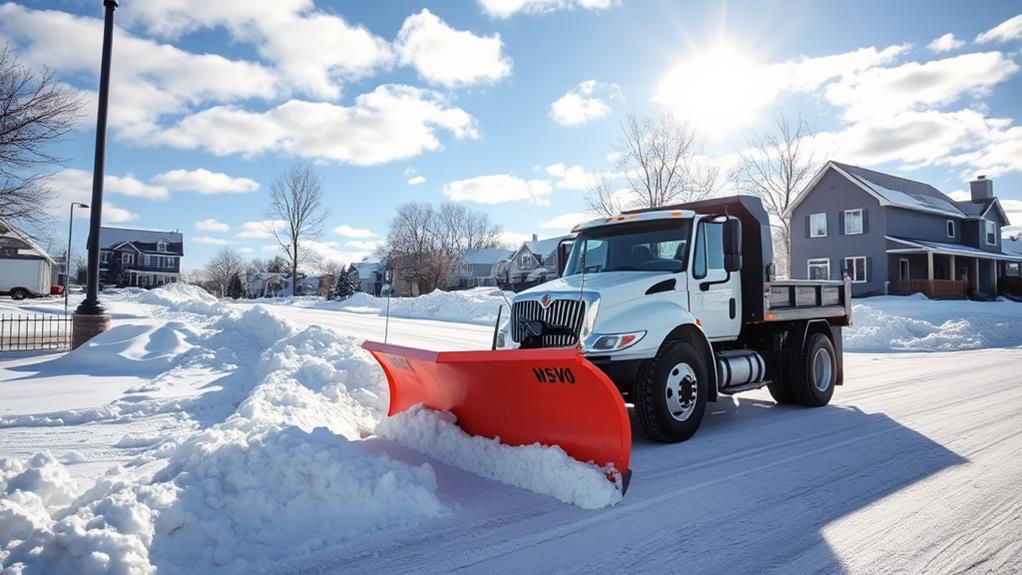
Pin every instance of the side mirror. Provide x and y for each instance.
(732, 245)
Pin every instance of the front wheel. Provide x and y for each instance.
(670, 397)
(19, 293)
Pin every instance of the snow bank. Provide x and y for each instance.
(542, 469)
(915, 323)
(477, 306)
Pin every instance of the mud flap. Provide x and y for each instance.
(546, 396)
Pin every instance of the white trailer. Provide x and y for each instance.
(22, 277)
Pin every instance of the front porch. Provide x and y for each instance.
(945, 271)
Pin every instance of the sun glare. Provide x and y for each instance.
(715, 90)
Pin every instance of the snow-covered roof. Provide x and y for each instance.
(544, 247)
(13, 237)
(951, 249)
(486, 256)
(902, 192)
(110, 237)
(1011, 246)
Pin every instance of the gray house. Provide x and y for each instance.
(137, 257)
(533, 263)
(479, 268)
(898, 236)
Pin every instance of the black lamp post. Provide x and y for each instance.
(90, 319)
(67, 254)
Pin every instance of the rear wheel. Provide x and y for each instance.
(816, 372)
(781, 392)
(19, 293)
(670, 397)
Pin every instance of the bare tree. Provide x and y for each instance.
(222, 269)
(660, 164)
(35, 112)
(426, 243)
(296, 198)
(776, 167)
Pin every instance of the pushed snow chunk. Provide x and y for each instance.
(547, 470)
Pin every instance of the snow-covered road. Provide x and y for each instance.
(915, 466)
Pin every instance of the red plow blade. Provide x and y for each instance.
(546, 396)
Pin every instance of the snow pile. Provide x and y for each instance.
(915, 323)
(181, 297)
(131, 350)
(478, 305)
(282, 474)
(546, 470)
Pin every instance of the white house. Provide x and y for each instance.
(264, 284)
(533, 263)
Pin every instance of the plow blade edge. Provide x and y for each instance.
(545, 396)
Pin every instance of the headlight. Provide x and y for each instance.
(590, 320)
(617, 341)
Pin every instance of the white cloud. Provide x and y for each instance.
(115, 215)
(205, 182)
(498, 189)
(945, 43)
(882, 91)
(152, 80)
(959, 195)
(366, 246)
(448, 57)
(565, 222)
(313, 51)
(507, 8)
(514, 239)
(573, 177)
(583, 103)
(211, 225)
(260, 229)
(416, 180)
(392, 122)
(344, 230)
(1010, 29)
(246, 250)
(73, 185)
(124, 185)
(210, 241)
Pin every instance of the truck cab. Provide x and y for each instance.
(679, 305)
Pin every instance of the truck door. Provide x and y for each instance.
(714, 295)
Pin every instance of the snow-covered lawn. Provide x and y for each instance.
(202, 436)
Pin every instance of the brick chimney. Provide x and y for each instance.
(535, 237)
(982, 189)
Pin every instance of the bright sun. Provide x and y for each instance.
(715, 90)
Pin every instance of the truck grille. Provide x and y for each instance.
(562, 312)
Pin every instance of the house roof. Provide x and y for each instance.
(13, 237)
(944, 248)
(486, 256)
(366, 269)
(110, 237)
(544, 247)
(902, 192)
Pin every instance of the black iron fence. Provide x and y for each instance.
(31, 332)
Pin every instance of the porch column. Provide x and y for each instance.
(954, 273)
(929, 266)
(976, 276)
(993, 276)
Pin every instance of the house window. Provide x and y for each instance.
(127, 259)
(161, 246)
(525, 261)
(819, 269)
(855, 267)
(818, 225)
(950, 228)
(104, 257)
(991, 233)
(853, 222)
(904, 270)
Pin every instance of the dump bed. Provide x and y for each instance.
(787, 300)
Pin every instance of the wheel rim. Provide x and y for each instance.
(681, 391)
(823, 369)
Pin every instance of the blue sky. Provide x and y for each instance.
(510, 106)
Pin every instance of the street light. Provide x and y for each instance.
(67, 254)
(90, 317)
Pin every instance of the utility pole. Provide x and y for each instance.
(90, 318)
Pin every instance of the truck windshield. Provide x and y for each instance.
(660, 246)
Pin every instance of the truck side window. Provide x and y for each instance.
(699, 258)
(715, 246)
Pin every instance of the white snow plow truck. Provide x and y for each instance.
(665, 309)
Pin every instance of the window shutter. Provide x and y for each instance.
(865, 225)
(841, 222)
(869, 260)
(807, 227)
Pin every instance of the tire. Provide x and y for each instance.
(663, 395)
(19, 293)
(815, 372)
(781, 392)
